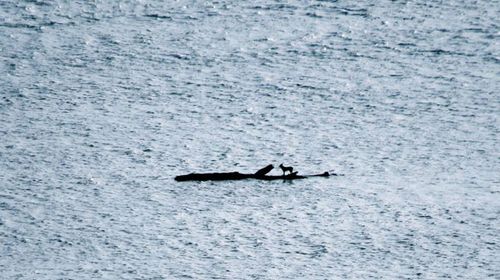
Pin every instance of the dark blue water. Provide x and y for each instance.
(103, 103)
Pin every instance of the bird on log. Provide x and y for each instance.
(261, 174)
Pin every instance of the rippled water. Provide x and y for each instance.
(104, 102)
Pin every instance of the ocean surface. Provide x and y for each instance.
(103, 103)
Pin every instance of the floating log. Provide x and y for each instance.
(260, 175)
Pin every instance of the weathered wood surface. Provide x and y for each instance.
(260, 175)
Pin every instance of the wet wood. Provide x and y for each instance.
(259, 175)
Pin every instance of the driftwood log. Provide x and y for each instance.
(260, 175)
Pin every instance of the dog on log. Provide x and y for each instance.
(286, 168)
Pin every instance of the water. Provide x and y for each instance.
(104, 102)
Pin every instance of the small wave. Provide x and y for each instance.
(407, 45)
(158, 16)
(474, 30)
(313, 15)
(39, 3)
(491, 58)
(445, 52)
(33, 26)
(179, 56)
(353, 12)
(19, 25)
(307, 87)
(275, 7)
